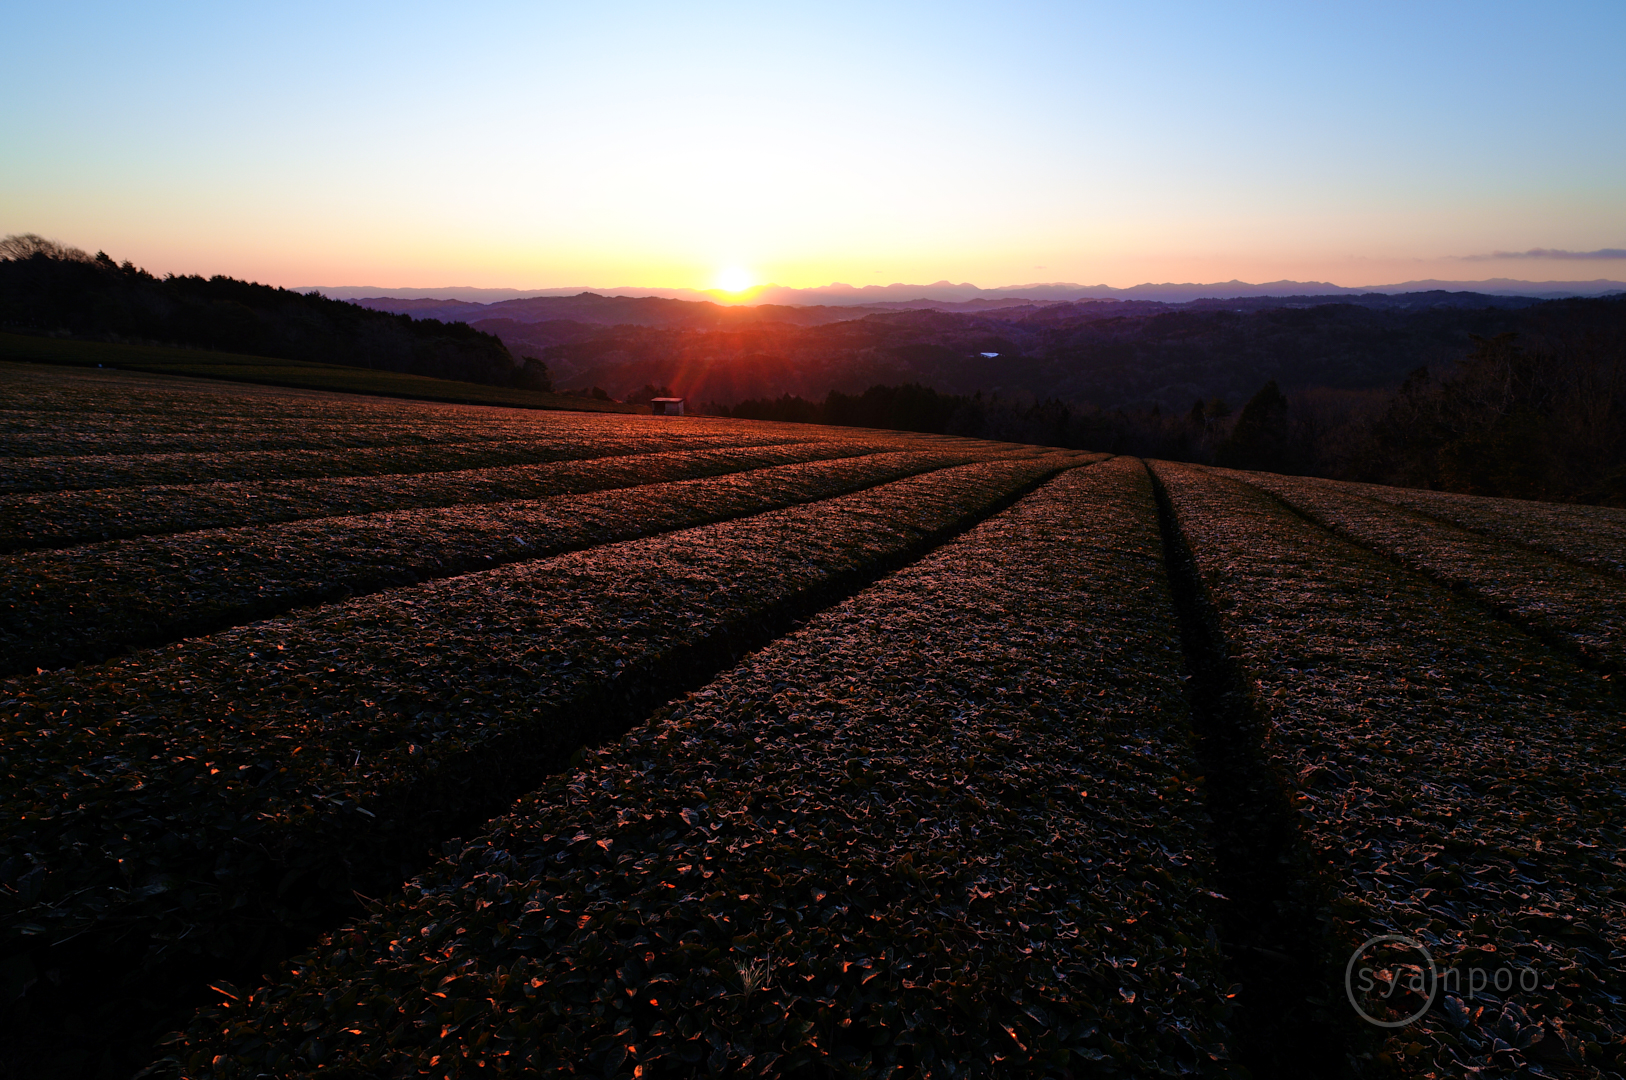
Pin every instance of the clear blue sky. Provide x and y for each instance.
(542, 144)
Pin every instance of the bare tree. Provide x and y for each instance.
(20, 246)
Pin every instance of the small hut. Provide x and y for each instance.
(666, 406)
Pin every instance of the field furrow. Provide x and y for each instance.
(19, 430)
(1457, 780)
(182, 812)
(68, 518)
(83, 392)
(89, 603)
(1594, 536)
(22, 430)
(1577, 608)
(951, 827)
(31, 475)
(71, 444)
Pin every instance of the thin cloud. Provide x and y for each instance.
(1548, 253)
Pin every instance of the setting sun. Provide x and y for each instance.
(734, 279)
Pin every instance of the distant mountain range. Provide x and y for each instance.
(1152, 345)
(536, 322)
(1110, 353)
(839, 295)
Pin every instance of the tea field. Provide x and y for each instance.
(366, 737)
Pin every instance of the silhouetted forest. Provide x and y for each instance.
(1525, 417)
(1537, 418)
(47, 288)
(1106, 355)
(914, 407)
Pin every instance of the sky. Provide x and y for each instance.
(547, 145)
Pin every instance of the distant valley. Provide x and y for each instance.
(1104, 353)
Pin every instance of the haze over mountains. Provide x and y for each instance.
(547, 320)
(1152, 345)
(838, 294)
(1107, 353)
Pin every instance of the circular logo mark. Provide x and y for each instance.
(1374, 988)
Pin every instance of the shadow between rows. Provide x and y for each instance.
(382, 578)
(1607, 671)
(142, 532)
(1276, 950)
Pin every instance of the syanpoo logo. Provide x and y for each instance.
(1387, 973)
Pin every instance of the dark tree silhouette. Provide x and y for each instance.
(1260, 438)
(533, 375)
(47, 287)
(649, 393)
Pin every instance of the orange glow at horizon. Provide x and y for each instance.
(692, 149)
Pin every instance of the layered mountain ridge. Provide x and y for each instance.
(844, 295)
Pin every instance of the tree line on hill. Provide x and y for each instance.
(1538, 418)
(1530, 418)
(50, 288)
(1129, 355)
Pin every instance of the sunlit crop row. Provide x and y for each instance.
(1456, 780)
(1592, 535)
(22, 430)
(1579, 608)
(209, 440)
(354, 424)
(50, 474)
(92, 602)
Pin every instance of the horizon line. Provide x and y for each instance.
(745, 297)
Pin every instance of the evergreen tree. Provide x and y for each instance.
(1260, 439)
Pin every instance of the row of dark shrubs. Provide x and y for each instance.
(893, 843)
(913, 407)
(152, 590)
(187, 846)
(1481, 814)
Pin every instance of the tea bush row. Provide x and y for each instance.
(170, 815)
(1456, 780)
(1580, 609)
(952, 827)
(69, 518)
(89, 603)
